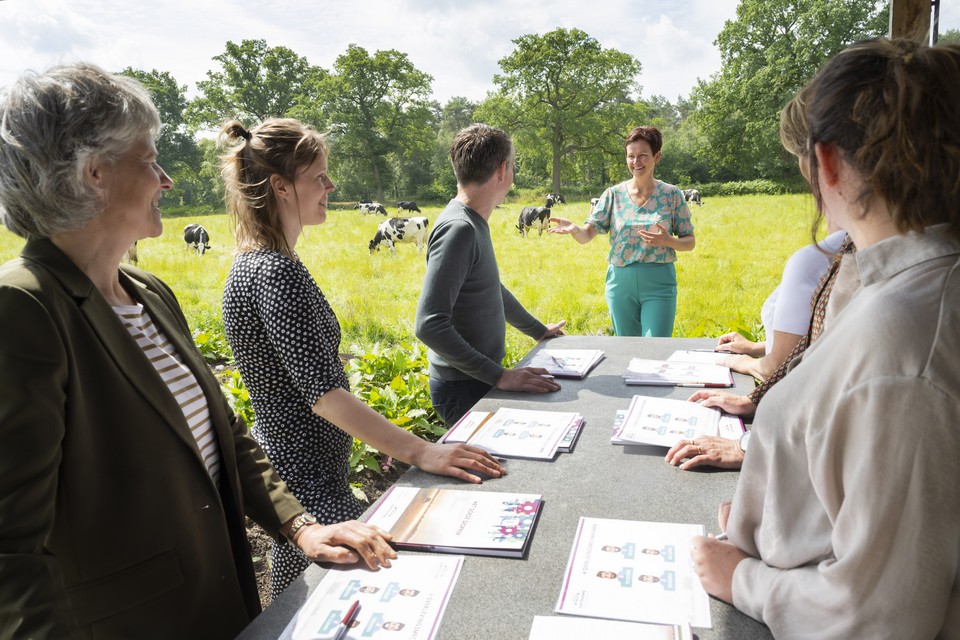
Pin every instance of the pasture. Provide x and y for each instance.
(742, 245)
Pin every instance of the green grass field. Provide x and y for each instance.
(742, 245)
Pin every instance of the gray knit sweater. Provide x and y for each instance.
(463, 308)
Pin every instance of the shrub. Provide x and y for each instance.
(393, 382)
(237, 394)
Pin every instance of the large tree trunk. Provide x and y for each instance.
(377, 179)
(557, 158)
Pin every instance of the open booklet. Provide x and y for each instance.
(637, 571)
(677, 374)
(518, 433)
(483, 523)
(557, 627)
(566, 363)
(406, 601)
(665, 422)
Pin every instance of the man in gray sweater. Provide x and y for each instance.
(463, 310)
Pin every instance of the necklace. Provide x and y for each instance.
(642, 199)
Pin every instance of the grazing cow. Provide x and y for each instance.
(533, 217)
(371, 207)
(692, 195)
(131, 254)
(395, 230)
(408, 205)
(196, 237)
(594, 202)
(557, 198)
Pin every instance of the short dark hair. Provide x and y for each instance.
(651, 135)
(477, 151)
(890, 108)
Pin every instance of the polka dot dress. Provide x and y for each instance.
(286, 341)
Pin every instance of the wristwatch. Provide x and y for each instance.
(744, 439)
(301, 521)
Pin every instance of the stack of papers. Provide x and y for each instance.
(636, 571)
(408, 598)
(483, 523)
(518, 433)
(665, 422)
(566, 363)
(677, 374)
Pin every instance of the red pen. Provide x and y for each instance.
(348, 619)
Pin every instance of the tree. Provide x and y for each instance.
(256, 82)
(950, 36)
(379, 112)
(769, 52)
(177, 150)
(562, 87)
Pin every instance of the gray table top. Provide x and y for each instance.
(498, 598)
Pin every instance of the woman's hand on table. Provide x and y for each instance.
(715, 561)
(706, 451)
(729, 402)
(459, 460)
(346, 543)
(736, 343)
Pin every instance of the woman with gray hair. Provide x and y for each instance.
(126, 476)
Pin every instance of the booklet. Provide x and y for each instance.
(700, 356)
(677, 374)
(566, 363)
(405, 600)
(636, 571)
(483, 523)
(665, 422)
(554, 627)
(516, 433)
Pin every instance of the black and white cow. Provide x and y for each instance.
(594, 202)
(371, 207)
(557, 198)
(408, 205)
(533, 218)
(549, 201)
(395, 230)
(196, 237)
(692, 195)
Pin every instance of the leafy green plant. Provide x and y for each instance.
(210, 338)
(392, 380)
(237, 393)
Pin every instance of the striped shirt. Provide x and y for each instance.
(178, 378)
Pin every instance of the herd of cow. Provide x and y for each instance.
(414, 229)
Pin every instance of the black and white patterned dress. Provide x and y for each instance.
(286, 341)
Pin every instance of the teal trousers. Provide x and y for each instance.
(642, 298)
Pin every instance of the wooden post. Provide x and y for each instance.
(910, 19)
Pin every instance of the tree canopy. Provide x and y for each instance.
(563, 93)
(255, 82)
(768, 53)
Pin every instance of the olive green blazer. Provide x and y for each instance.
(110, 525)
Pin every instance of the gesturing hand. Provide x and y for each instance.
(658, 237)
(345, 543)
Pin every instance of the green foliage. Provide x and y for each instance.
(769, 52)
(255, 82)
(560, 95)
(209, 336)
(393, 381)
(950, 36)
(378, 109)
(237, 394)
(751, 187)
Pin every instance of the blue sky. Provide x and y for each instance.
(458, 42)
